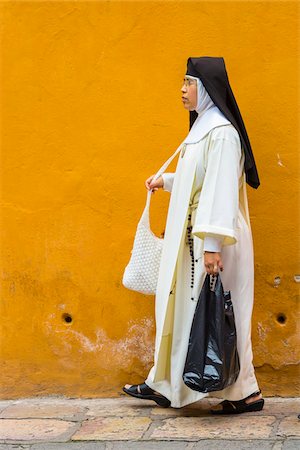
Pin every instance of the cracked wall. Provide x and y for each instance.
(90, 108)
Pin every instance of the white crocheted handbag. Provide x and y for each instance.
(141, 273)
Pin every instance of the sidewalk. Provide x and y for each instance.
(51, 423)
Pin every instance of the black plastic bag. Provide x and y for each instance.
(212, 361)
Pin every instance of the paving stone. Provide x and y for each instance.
(109, 404)
(277, 445)
(289, 426)
(70, 446)
(34, 429)
(112, 428)
(160, 413)
(133, 409)
(144, 445)
(200, 408)
(14, 446)
(5, 403)
(179, 428)
(251, 444)
(271, 407)
(291, 444)
(41, 410)
(193, 428)
(122, 400)
(274, 406)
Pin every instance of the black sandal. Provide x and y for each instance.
(240, 406)
(145, 392)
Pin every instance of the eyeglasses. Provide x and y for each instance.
(189, 82)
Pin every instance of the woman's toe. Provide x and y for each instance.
(127, 386)
(253, 399)
(217, 407)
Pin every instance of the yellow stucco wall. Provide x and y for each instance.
(90, 108)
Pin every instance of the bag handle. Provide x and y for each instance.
(145, 215)
(166, 164)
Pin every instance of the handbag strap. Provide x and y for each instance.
(145, 215)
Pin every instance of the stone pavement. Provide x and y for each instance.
(51, 423)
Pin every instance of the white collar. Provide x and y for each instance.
(211, 118)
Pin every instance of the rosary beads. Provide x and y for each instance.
(190, 242)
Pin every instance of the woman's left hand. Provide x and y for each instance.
(213, 262)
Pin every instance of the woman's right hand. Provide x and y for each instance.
(154, 185)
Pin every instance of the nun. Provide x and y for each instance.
(207, 230)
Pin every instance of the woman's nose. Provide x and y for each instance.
(183, 89)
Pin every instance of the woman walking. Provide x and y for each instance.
(207, 230)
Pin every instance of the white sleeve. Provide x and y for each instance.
(213, 244)
(168, 178)
(218, 206)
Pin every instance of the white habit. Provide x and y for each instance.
(210, 183)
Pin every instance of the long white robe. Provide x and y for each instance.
(209, 182)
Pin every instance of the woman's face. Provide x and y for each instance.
(189, 93)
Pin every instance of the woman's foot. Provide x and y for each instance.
(254, 402)
(145, 392)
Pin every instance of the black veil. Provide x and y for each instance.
(212, 72)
